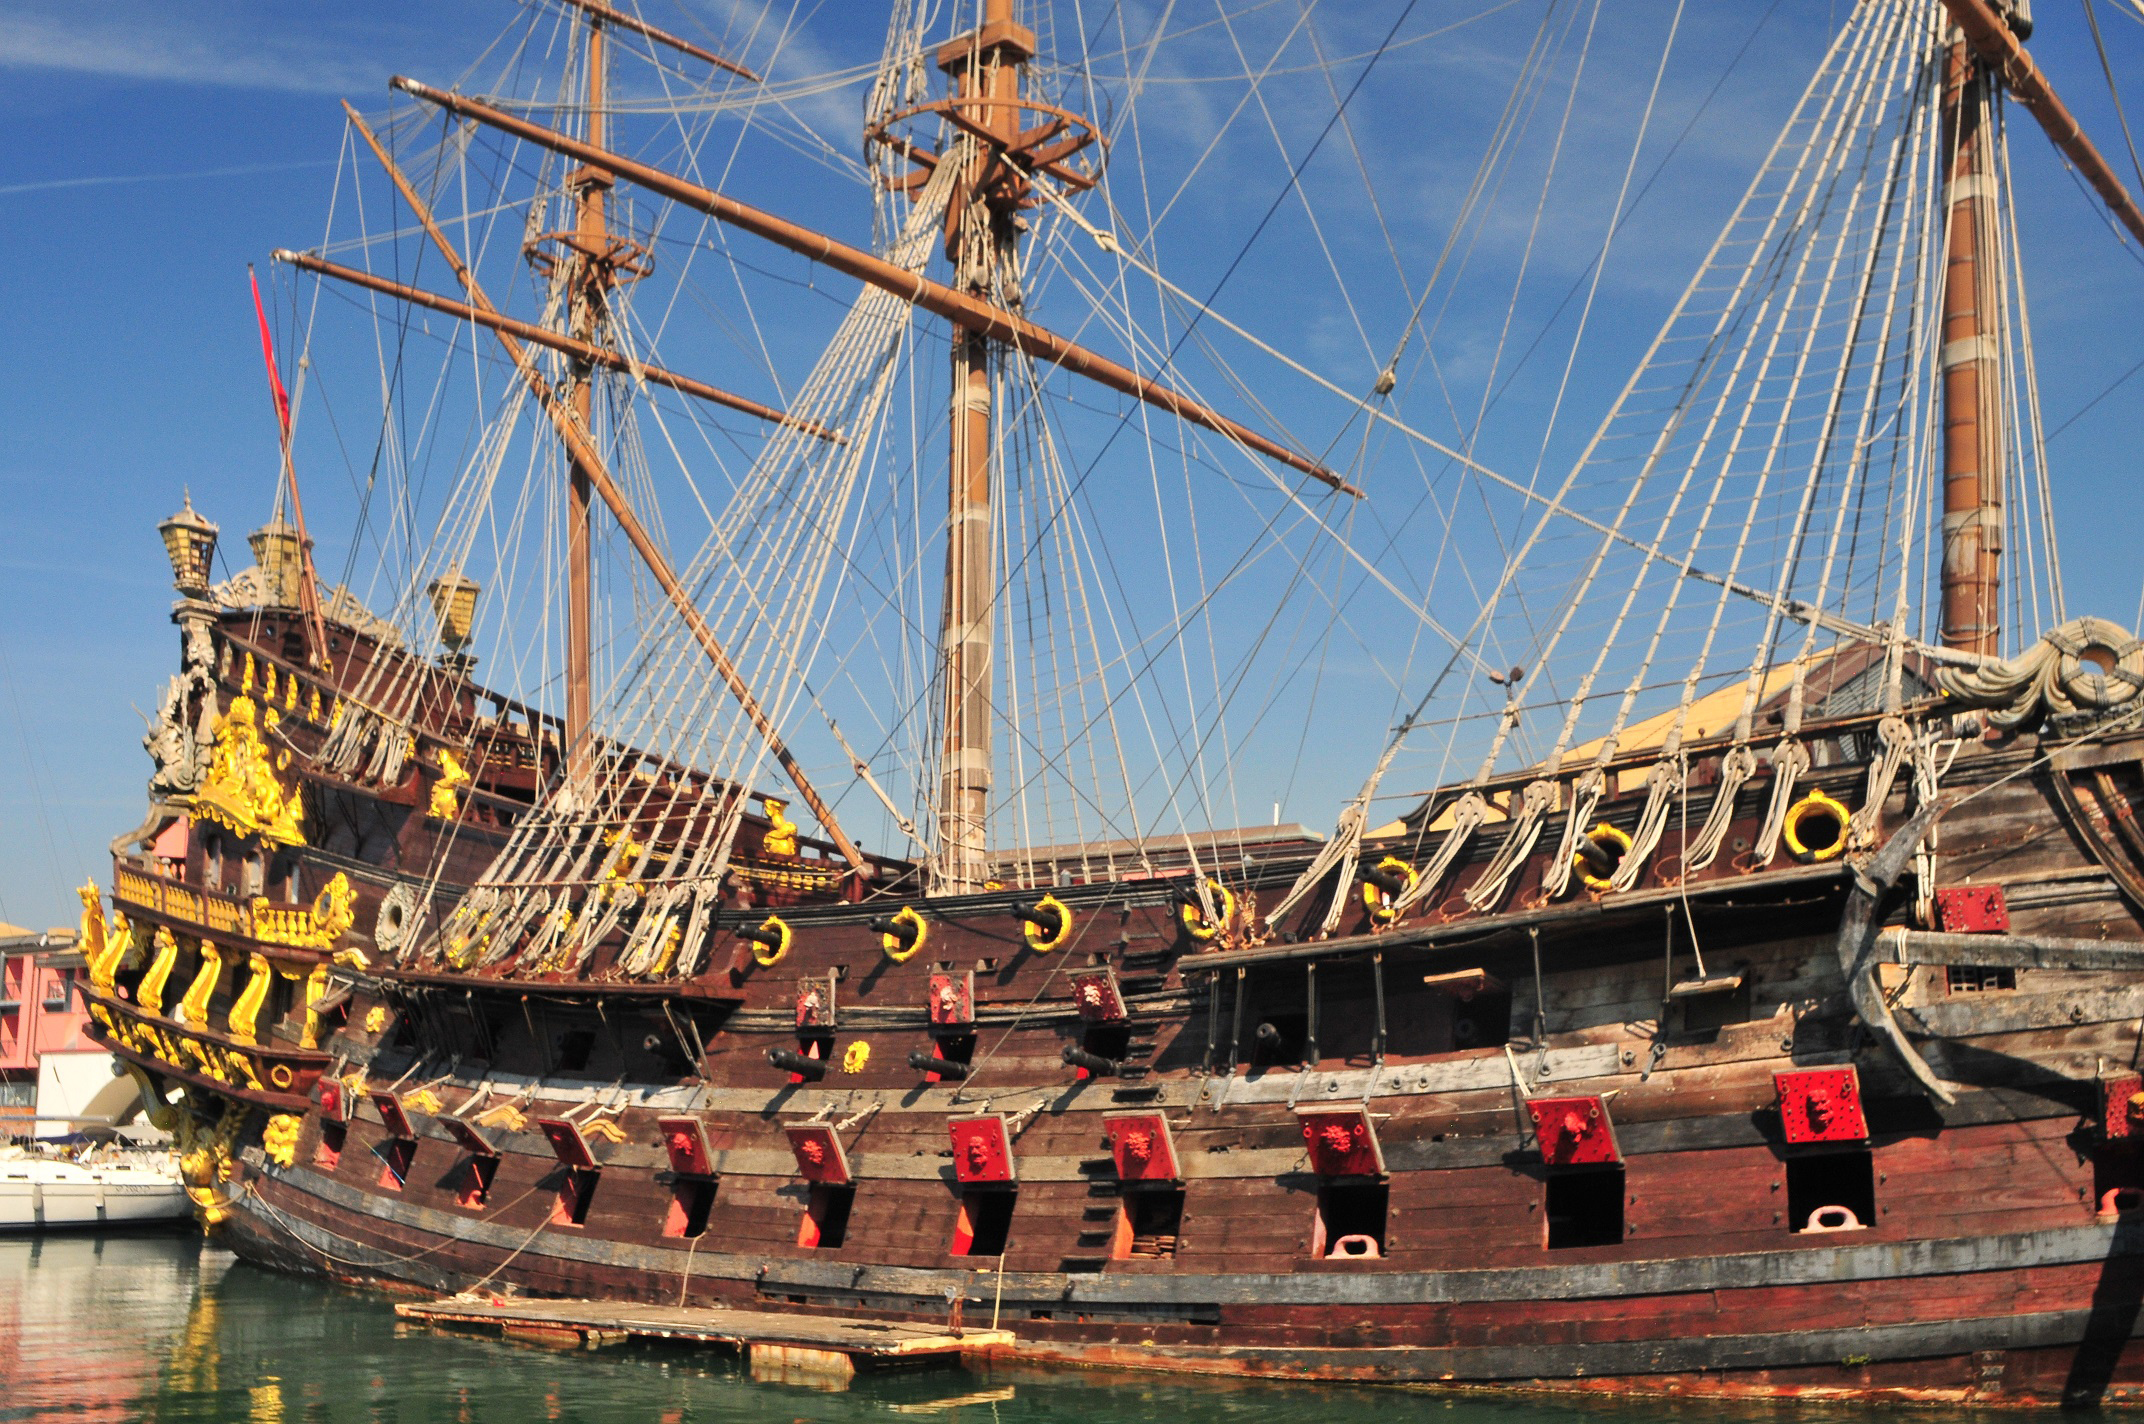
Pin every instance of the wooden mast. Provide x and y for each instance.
(984, 66)
(1999, 47)
(621, 20)
(1973, 432)
(997, 162)
(588, 279)
(1006, 327)
(581, 444)
(543, 336)
(1987, 48)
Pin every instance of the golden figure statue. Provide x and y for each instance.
(241, 790)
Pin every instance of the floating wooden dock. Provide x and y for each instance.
(821, 1350)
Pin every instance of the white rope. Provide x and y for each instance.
(1789, 760)
(1536, 800)
(1896, 742)
(1737, 766)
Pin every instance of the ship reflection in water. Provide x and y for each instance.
(154, 1327)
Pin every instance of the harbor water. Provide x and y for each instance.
(158, 1327)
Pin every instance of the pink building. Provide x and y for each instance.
(43, 1031)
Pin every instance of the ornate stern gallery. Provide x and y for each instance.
(1749, 1008)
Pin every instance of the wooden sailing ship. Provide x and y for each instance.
(1780, 1041)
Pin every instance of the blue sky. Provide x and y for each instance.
(161, 148)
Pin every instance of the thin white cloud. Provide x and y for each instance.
(140, 47)
(47, 185)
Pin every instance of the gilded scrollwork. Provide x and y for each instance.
(207, 1059)
(206, 1161)
(150, 993)
(445, 803)
(193, 1005)
(279, 1139)
(240, 790)
(244, 1019)
(333, 911)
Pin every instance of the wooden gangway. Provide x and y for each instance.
(810, 1349)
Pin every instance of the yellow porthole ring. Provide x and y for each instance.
(1193, 918)
(1043, 942)
(907, 935)
(768, 955)
(1815, 829)
(1603, 835)
(1373, 894)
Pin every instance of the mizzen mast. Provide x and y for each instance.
(1988, 47)
(1973, 432)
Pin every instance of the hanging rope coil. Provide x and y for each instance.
(1736, 769)
(1347, 835)
(1467, 815)
(1897, 740)
(2085, 666)
(1789, 760)
(1586, 794)
(1933, 753)
(1536, 800)
(1661, 784)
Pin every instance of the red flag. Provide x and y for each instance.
(275, 382)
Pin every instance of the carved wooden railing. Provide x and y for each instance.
(228, 918)
(219, 914)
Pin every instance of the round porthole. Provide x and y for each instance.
(391, 924)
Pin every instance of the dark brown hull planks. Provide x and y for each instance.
(1161, 1136)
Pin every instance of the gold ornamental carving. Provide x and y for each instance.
(105, 945)
(192, 1055)
(241, 790)
(781, 837)
(193, 1004)
(150, 992)
(333, 911)
(279, 1139)
(244, 1019)
(445, 804)
(206, 1159)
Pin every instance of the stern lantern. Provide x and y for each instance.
(454, 606)
(281, 560)
(190, 542)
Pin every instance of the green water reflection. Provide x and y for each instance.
(155, 1327)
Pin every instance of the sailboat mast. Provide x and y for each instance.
(985, 67)
(590, 278)
(1973, 437)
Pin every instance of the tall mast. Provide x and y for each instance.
(999, 163)
(1973, 437)
(985, 67)
(589, 278)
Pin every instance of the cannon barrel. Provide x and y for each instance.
(809, 1069)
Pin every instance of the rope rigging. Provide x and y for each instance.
(1177, 626)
